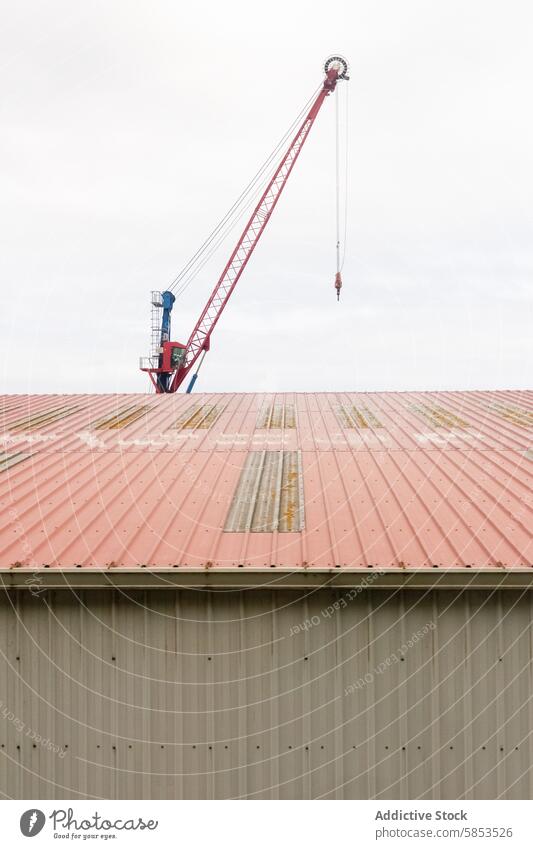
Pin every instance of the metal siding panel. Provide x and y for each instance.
(483, 689)
(211, 676)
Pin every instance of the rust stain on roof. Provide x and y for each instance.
(277, 416)
(439, 416)
(198, 416)
(357, 417)
(122, 418)
(516, 415)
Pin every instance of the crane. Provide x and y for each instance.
(171, 362)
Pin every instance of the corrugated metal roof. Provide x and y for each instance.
(403, 480)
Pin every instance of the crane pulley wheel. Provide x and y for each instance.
(342, 66)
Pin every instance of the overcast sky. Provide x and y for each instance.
(128, 128)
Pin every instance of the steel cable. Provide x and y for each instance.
(235, 212)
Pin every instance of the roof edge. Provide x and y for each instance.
(269, 579)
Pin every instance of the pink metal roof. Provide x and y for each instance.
(402, 480)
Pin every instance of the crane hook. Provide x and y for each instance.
(338, 284)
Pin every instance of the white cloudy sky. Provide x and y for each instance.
(128, 128)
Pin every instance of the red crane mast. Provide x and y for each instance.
(175, 360)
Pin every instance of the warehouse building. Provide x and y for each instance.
(266, 596)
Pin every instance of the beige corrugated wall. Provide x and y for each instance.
(265, 694)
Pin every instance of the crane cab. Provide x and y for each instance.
(162, 365)
(172, 356)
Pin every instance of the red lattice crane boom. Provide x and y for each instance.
(174, 361)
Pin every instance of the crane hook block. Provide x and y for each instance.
(338, 284)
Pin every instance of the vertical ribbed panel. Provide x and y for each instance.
(123, 418)
(269, 495)
(516, 415)
(277, 416)
(8, 460)
(38, 420)
(439, 416)
(357, 417)
(198, 416)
